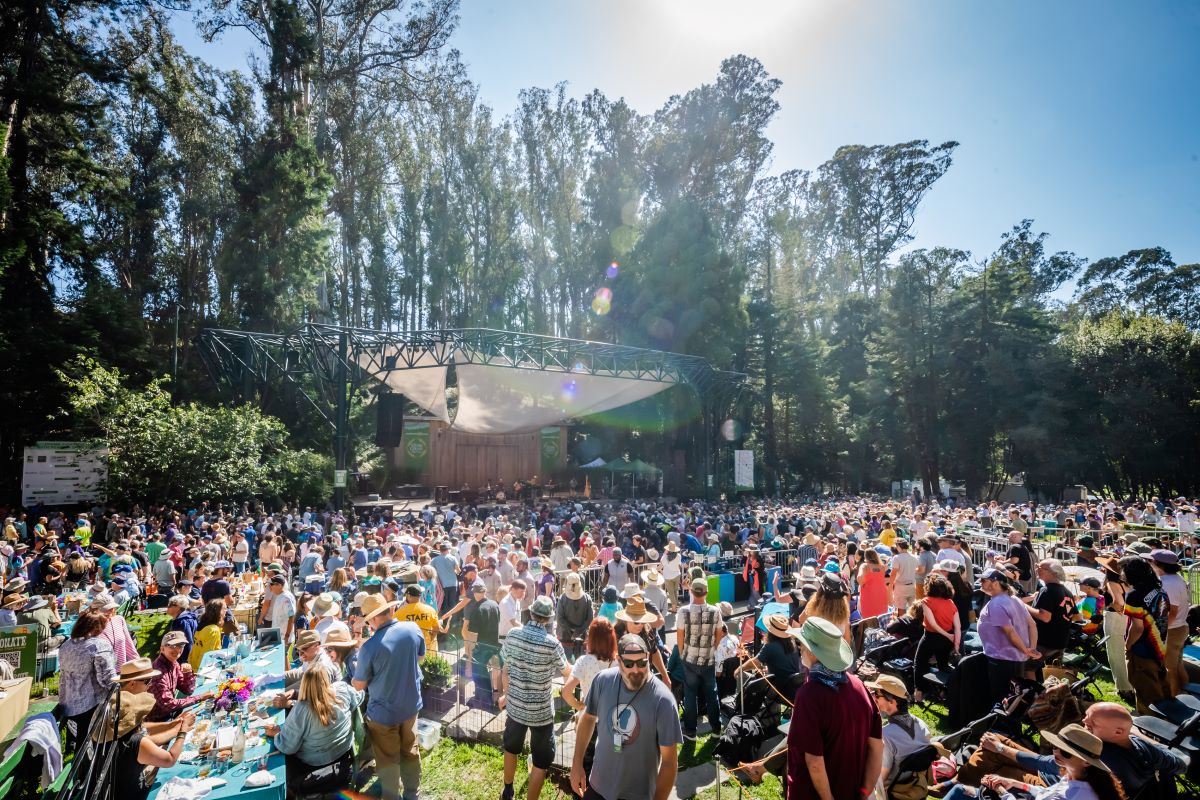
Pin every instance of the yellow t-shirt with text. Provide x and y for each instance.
(426, 619)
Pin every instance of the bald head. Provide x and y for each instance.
(1109, 722)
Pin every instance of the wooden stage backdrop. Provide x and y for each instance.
(456, 458)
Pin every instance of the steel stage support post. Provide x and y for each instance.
(341, 425)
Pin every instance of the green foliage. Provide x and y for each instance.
(435, 671)
(180, 453)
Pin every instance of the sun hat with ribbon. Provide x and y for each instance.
(375, 604)
(635, 611)
(1078, 741)
(134, 710)
(777, 625)
(139, 669)
(653, 577)
(340, 639)
(326, 605)
(826, 642)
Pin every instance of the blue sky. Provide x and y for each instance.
(1084, 116)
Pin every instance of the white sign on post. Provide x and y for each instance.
(743, 469)
(63, 473)
(339, 478)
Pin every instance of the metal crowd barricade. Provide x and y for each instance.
(1193, 581)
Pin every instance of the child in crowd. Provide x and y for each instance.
(610, 606)
(1091, 604)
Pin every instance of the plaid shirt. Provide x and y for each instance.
(699, 626)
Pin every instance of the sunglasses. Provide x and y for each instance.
(635, 663)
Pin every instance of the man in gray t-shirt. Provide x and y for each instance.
(637, 731)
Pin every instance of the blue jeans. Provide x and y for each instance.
(698, 679)
(959, 792)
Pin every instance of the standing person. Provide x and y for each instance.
(624, 707)
(926, 561)
(87, 672)
(872, 591)
(575, 613)
(483, 621)
(531, 658)
(281, 610)
(1007, 632)
(1147, 612)
(1020, 555)
(671, 568)
(601, 654)
(1052, 608)
(835, 742)
(943, 631)
(904, 577)
(446, 566)
(389, 669)
(425, 618)
(698, 629)
(1166, 567)
(184, 620)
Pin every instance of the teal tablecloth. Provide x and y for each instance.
(236, 775)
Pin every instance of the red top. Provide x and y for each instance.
(836, 724)
(944, 611)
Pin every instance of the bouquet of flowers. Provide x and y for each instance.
(234, 691)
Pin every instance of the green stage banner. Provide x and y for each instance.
(416, 445)
(551, 451)
(18, 646)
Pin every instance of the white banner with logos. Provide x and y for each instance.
(63, 473)
(743, 469)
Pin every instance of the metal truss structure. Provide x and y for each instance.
(327, 363)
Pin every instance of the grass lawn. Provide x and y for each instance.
(468, 771)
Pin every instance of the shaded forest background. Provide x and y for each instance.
(352, 174)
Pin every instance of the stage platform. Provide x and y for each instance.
(406, 504)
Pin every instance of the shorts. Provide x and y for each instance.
(541, 741)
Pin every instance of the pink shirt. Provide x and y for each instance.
(117, 634)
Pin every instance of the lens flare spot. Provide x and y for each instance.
(731, 429)
(570, 390)
(612, 270)
(604, 293)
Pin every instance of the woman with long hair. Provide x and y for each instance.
(1147, 614)
(872, 586)
(943, 631)
(208, 632)
(831, 601)
(319, 730)
(600, 650)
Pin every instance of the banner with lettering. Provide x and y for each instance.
(551, 450)
(416, 445)
(18, 646)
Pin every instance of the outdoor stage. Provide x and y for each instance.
(497, 404)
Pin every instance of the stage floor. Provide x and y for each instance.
(405, 504)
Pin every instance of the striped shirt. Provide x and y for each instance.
(533, 658)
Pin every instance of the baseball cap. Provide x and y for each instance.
(632, 643)
(700, 586)
(174, 637)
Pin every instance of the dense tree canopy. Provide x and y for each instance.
(352, 174)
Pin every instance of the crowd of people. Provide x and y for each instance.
(613, 600)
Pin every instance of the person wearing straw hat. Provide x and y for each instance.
(531, 659)
(637, 618)
(138, 743)
(341, 648)
(574, 613)
(11, 605)
(671, 567)
(779, 656)
(327, 610)
(652, 581)
(389, 669)
(835, 742)
(1077, 754)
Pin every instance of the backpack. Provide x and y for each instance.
(740, 740)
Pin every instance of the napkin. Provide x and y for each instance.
(257, 779)
(189, 755)
(263, 662)
(189, 788)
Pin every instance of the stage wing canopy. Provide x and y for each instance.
(506, 382)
